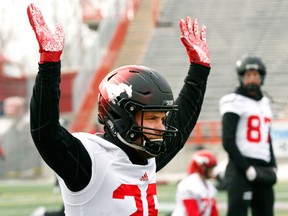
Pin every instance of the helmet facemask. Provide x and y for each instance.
(250, 88)
(138, 132)
(160, 137)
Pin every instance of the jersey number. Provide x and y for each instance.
(134, 191)
(254, 128)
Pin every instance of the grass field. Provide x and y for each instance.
(21, 198)
(166, 195)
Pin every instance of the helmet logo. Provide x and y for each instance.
(201, 160)
(251, 67)
(168, 102)
(114, 90)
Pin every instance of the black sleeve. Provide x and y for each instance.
(273, 160)
(189, 102)
(64, 153)
(229, 128)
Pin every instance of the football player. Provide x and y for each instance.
(246, 120)
(195, 194)
(2, 155)
(114, 173)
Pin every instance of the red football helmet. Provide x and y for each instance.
(202, 161)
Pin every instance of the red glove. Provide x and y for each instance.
(50, 44)
(194, 43)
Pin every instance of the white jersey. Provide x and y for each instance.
(252, 137)
(117, 187)
(194, 188)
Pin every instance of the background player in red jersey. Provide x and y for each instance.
(115, 173)
(2, 156)
(246, 118)
(195, 194)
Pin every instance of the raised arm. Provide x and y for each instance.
(61, 150)
(191, 96)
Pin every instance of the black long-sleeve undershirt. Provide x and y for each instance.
(229, 128)
(59, 149)
(189, 102)
(66, 155)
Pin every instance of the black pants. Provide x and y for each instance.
(56, 213)
(243, 195)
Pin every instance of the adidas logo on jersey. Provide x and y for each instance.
(144, 177)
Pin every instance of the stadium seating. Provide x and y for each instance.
(233, 29)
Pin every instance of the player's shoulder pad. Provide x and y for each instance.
(228, 98)
(88, 139)
(230, 103)
(267, 100)
(82, 135)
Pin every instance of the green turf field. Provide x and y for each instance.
(21, 198)
(166, 195)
